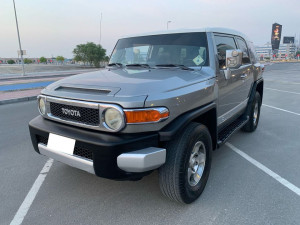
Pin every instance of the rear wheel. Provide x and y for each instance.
(184, 175)
(253, 113)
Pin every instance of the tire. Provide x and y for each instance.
(178, 179)
(253, 113)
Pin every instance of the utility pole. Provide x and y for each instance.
(21, 51)
(100, 27)
(168, 24)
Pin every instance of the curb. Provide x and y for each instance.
(35, 77)
(30, 76)
(15, 100)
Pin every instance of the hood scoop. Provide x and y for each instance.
(83, 90)
(87, 89)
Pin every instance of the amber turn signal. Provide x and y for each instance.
(147, 115)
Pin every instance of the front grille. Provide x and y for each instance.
(87, 115)
(41, 139)
(83, 152)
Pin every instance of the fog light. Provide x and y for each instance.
(42, 105)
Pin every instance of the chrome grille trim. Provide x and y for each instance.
(83, 104)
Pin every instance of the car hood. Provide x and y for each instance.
(125, 84)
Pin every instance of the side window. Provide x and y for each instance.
(224, 43)
(243, 47)
(252, 53)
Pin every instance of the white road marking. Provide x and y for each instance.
(291, 92)
(298, 114)
(19, 217)
(280, 179)
(282, 82)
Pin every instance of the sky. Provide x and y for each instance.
(55, 27)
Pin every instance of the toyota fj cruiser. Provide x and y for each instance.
(165, 101)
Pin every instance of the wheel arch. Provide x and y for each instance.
(260, 89)
(209, 119)
(206, 115)
(258, 86)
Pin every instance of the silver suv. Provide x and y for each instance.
(165, 101)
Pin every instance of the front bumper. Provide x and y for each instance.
(112, 156)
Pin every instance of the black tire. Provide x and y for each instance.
(173, 175)
(251, 125)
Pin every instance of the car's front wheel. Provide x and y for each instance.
(184, 175)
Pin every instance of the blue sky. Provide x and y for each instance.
(54, 27)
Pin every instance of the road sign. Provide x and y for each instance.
(276, 35)
(23, 52)
(288, 40)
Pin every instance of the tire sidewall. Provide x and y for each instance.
(258, 101)
(190, 193)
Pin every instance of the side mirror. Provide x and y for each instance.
(234, 58)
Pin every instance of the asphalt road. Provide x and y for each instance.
(237, 191)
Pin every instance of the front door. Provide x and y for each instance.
(232, 95)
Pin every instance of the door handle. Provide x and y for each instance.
(244, 76)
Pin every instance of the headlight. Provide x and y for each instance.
(42, 105)
(114, 119)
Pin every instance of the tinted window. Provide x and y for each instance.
(189, 49)
(224, 43)
(243, 47)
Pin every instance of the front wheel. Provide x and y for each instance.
(184, 175)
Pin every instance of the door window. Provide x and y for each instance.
(252, 53)
(224, 43)
(243, 47)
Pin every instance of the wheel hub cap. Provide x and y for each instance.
(196, 163)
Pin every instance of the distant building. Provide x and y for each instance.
(285, 51)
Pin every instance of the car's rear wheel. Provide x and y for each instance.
(253, 113)
(184, 175)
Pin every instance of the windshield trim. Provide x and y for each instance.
(207, 62)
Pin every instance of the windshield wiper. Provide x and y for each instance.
(116, 64)
(139, 65)
(183, 67)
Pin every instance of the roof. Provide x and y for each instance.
(207, 29)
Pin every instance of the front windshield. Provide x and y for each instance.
(188, 49)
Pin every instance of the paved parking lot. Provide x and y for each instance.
(261, 187)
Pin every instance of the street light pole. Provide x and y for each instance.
(100, 27)
(168, 24)
(21, 52)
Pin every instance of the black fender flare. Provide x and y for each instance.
(169, 131)
(252, 93)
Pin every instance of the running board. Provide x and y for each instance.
(225, 133)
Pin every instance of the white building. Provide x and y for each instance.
(284, 51)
